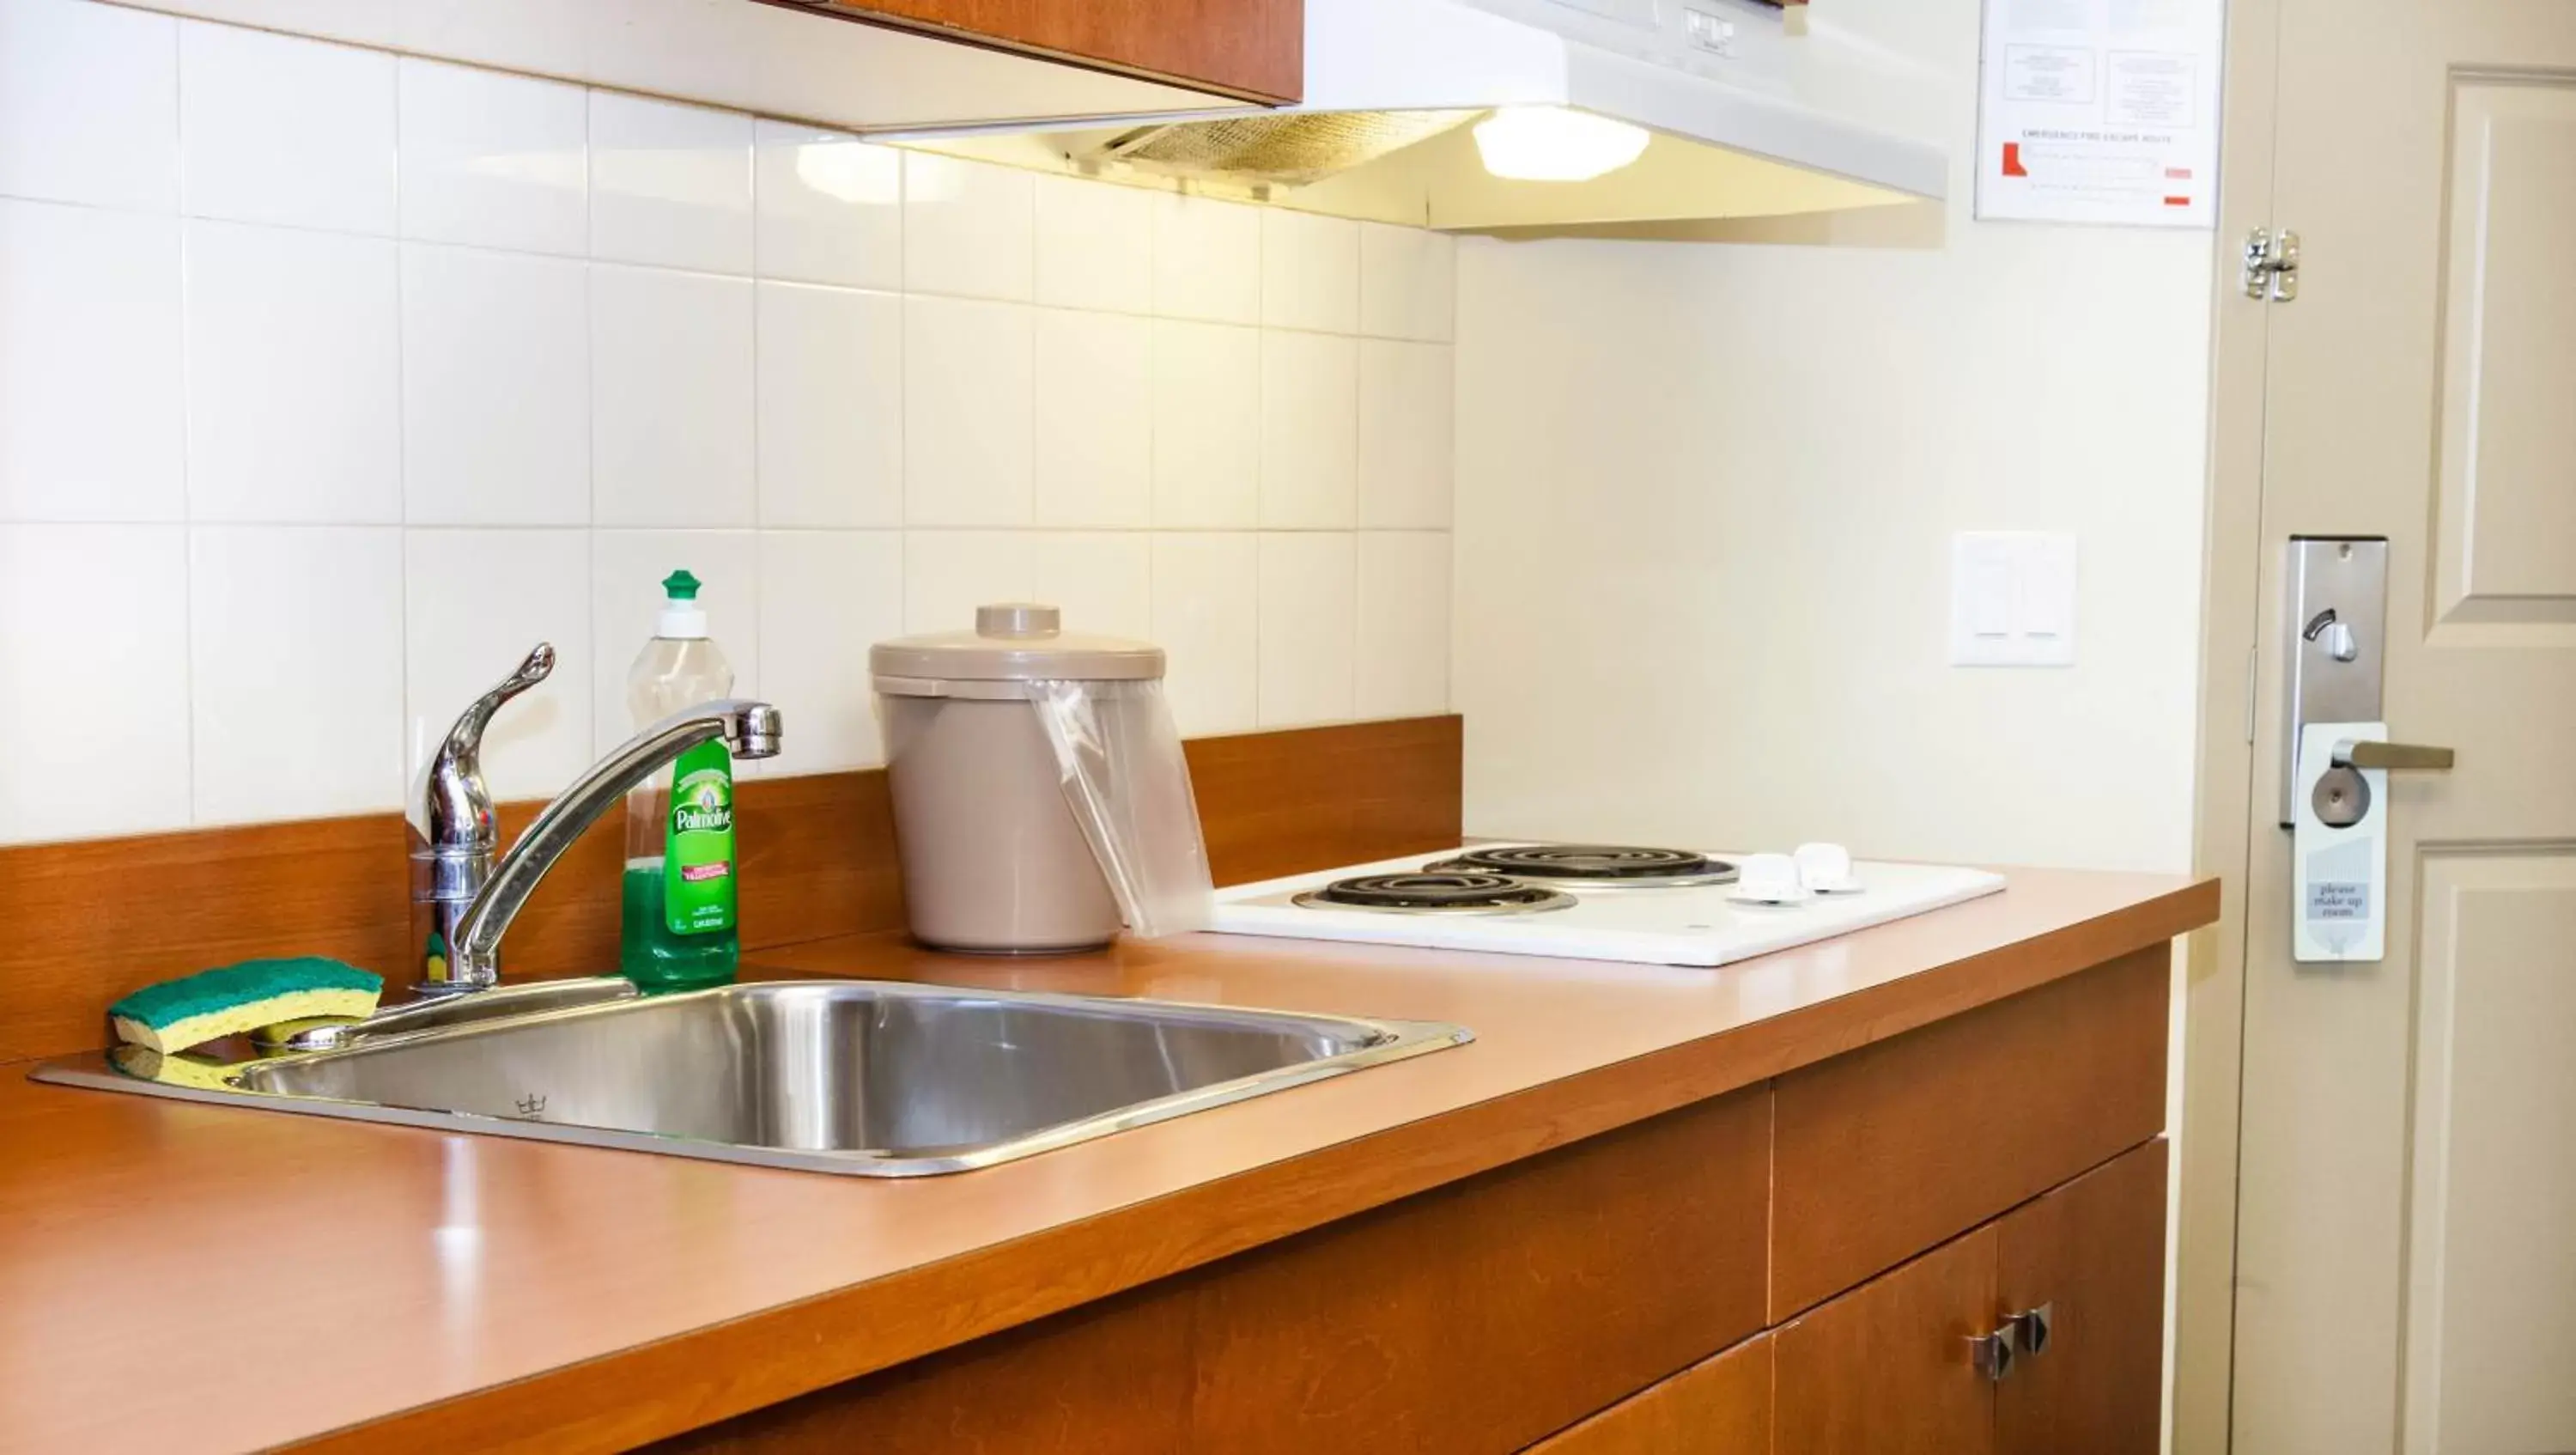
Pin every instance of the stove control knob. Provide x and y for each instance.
(1768, 879)
(1825, 868)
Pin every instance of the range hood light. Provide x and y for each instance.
(1554, 144)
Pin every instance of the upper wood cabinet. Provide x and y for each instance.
(1250, 48)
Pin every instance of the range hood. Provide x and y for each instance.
(1703, 109)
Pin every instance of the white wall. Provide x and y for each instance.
(331, 380)
(1705, 496)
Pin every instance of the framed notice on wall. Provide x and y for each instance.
(2100, 111)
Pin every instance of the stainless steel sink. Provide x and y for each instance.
(872, 1078)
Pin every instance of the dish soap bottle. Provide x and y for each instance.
(678, 918)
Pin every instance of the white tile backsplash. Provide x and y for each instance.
(829, 207)
(1103, 581)
(671, 358)
(670, 184)
(969, 228)
(294, 350)
(496, 388)
(1309, 610)
(830, 412)
(89, 104)
(474, 603)
(1408, 283)
(295, 681)
(1207, 259)
(281, 129)
(121, 654)
(1094, 419)
(1310, 271)
(948, 573)
(90, 395)
(969, 368)
(824, 596)
(493, 159)
(1095, 246)
(399, 366)
(1402, 657)
(1405, 431)
(1207, 426)
(1310, 410)
(1207, 612)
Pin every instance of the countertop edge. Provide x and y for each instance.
(732, 1367)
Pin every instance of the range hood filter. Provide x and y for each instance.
(1281, 149)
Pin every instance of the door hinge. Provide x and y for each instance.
(2272, 265)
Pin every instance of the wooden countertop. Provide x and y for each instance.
(175, 1276)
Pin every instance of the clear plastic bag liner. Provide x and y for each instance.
(1119, 757)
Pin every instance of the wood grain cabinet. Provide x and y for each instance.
(2036, 1334)
(1719, 1406)
(1993, 1177)
(1249, 48)
(2092, 1255)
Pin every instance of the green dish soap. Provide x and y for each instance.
(680, 891)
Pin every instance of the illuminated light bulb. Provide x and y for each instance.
(1552, 144)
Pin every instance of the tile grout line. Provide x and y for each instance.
(187, 393)
(408, 739)
(590, 428)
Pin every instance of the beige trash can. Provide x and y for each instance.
(993, 858)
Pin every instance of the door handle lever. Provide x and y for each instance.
(2351, 754)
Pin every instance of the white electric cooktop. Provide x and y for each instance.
(1642, 906)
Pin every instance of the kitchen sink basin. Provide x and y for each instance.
(872, 1078)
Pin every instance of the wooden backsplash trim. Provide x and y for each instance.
(92, 920)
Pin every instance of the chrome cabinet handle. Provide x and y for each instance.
(1992, 1354)
(2351, 754)
(2036, 1326)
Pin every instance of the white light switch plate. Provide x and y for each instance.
(2012, 599)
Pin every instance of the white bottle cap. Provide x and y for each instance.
(682, 616)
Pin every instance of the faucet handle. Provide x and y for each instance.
(453, 808)
(467, 736)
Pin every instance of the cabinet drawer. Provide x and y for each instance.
(1886, 1151)
(1474, 1317)
(1887, 1368)
(1720, 1406)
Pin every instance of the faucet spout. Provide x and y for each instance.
(749, 728)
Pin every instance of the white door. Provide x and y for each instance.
(2406, 1255)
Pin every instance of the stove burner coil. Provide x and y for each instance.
(1434, 892)
(1596, 865)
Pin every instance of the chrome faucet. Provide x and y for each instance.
(471, 936)
(454, 836)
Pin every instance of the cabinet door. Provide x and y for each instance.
(2093, 1251)
(1253, 48)
(1719, 1406)
(1887, 1369)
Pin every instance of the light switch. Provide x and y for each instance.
(1986, 579)
(2012, 599)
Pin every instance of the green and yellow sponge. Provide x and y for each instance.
(213, 1004)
